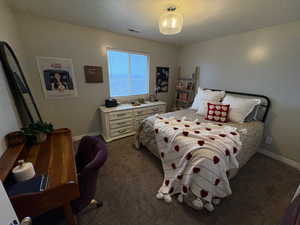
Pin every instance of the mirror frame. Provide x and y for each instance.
(16, 92)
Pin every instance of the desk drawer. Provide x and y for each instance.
(120, 115)
(120, 131)
(120, 123)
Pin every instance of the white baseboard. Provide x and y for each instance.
(77, 138)
(281, 158)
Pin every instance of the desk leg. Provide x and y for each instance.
(70, 217)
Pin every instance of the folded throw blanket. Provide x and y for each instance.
(196, 157)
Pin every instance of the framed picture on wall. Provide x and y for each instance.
(93, 74)
(162, 79)
(57, 77)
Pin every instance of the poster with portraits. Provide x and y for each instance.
(57, 77)
(162, 79)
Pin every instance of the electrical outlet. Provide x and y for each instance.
(268, 140)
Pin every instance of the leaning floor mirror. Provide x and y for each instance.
(25, 104)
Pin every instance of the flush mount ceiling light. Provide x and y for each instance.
(170, 22)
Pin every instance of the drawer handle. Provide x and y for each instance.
(121, 123)
(123, 131)
(155, 110)
(121, 114)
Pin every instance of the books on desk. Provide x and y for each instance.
(36, 184)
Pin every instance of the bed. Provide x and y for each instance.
(251, 132)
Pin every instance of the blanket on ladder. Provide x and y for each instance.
(195, 158)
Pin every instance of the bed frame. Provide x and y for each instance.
(266, 104)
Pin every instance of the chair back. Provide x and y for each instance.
(91, 155)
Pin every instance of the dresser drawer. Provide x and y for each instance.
(157, 109)
(120, 123)
(120, 115)
(138, 123)
(123, 120)
(140, 112)
(149, 110)
(154, 110)
(120, 131)
(141, 117)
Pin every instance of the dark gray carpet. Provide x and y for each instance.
(130, 179)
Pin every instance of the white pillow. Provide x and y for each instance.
(240, 107)
(196, 102)
(206, 96)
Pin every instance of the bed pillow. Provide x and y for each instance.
(240, 108)
(217, 112)
(208, 96)
(196, 102)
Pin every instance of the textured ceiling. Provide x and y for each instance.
(203, 19)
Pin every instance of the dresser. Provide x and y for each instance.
(123, 120)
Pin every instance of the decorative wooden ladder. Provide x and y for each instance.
(186, 89)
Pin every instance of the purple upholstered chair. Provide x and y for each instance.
(90, 157)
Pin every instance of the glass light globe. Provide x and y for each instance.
(170, 23)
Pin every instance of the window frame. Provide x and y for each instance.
(129, 97)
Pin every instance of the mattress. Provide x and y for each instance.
(251, 134)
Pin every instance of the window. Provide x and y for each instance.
(128, 73)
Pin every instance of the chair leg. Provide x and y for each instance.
(98, 204)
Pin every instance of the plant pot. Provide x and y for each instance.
(15, 138)
(41, 137)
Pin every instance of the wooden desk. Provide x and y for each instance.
(55, 158)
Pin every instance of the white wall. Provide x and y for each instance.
(8, 117)
(85, 46)
(265, 61)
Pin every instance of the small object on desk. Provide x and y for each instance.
(15, 138)
(23, 171)
(37, 132)
(111, 102)
(36, 184)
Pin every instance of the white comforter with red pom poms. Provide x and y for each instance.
(196, 157)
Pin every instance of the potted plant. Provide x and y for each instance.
(37, 132)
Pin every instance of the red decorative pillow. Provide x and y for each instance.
(217, 112)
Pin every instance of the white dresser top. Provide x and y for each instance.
(129, 106)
